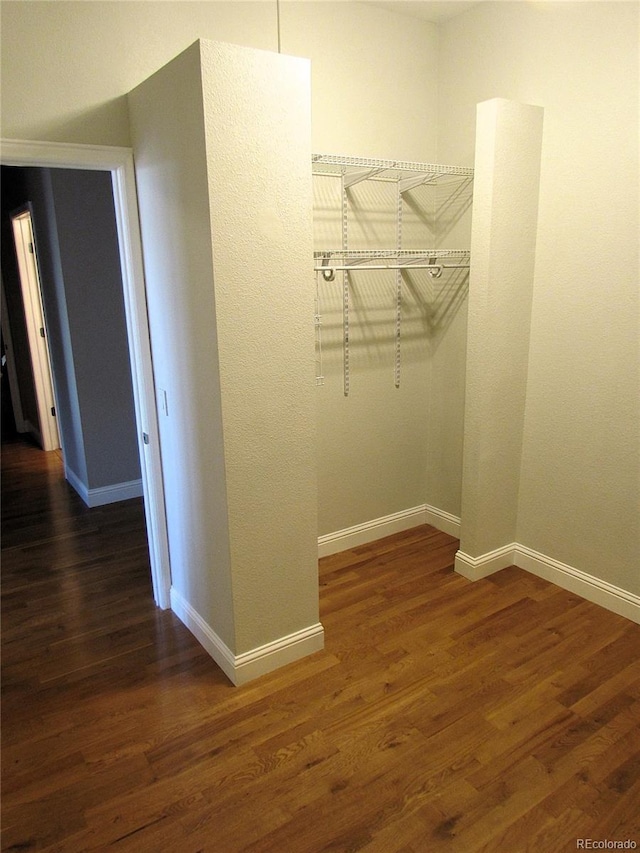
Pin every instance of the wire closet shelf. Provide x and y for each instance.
(406, 176)
(357, 169)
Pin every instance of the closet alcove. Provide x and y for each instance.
(240, 272)
(391, 264)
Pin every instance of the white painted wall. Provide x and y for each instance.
(222, 145)
(579, 496)
(372, 447)
(374, 85)
(387, 85)
(167, 125)
(67, 66)
(503, 247)
(374, 93)
(257, 108)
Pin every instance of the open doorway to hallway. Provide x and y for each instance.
(74, 309)
(117, 168)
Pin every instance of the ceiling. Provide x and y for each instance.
(427, 11)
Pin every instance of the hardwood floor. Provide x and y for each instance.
(442, 715)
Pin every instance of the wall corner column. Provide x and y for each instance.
(222, 142)
(503, 243)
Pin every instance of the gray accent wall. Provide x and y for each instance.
(88, 242)
(76, 238)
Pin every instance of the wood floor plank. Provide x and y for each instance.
(442, 715)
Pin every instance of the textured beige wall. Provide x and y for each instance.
(374, 94)
(580, 488)
(579, 495)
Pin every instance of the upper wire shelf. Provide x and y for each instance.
(403, 172)
(361, 254)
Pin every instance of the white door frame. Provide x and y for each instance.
(119, 161)
(29, 273)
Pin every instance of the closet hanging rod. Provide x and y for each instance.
(329, 270)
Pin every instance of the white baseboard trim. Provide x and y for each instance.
(204, 634)
(117, 492)
(475, 568)
(369, 531)
(587, 586)
(263, 659)
(442, 520)
(242, 668)
(103, 494)
(377, 528)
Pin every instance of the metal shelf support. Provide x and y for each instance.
(396, 369)
(345, 290)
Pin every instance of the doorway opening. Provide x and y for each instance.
(119, 163)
